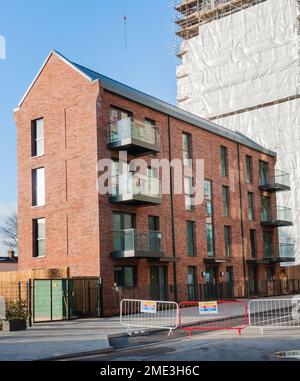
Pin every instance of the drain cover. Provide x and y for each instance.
(288, 355)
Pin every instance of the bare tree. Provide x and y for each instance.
(9, 231)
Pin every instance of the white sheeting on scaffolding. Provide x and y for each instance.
(243, 60)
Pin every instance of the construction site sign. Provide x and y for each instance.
(149, 307)
(208, 308)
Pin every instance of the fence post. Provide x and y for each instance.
(29, 304)
(68, 299)
(19, 291)
(100, 311)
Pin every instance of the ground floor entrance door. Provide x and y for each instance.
(253, 281)
(229, 283)
(158, 283)
(211, 291)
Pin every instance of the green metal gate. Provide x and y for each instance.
(49, 300)
(66, 299)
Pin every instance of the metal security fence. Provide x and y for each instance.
(267, 288)
(143, 314)
(66, 299)
(274, 313)
(17, 291)
(213, 316)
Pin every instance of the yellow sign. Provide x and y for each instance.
(208, 308)
(148, 307)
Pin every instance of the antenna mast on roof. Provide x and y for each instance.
(125, 23)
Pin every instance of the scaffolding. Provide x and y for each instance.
(190, 14)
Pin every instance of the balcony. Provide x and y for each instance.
(286, 252)
(282, 217)
(133, 243)
(135, 190)
(278, 183)
(135, 137)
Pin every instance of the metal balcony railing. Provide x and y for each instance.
(130, 183)
(131, 133)
(282, 217)
(286, 250)
(279, 182)
(135, 189)
(139, 243)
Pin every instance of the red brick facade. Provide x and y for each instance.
(79, 221)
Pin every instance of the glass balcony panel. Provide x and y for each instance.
(129, 183)
(128, 128)
(146, 242)
(286, 250)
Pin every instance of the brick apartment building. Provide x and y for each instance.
(69, 119)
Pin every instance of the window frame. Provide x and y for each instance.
(249, 169)
(123, 273)
(191, 244)
(36, 188)
(224, 161)
(228, 240)
(253, 243)
(226, 202)
(251, 206)
(35, 139)
(36, 238)
(188, 151)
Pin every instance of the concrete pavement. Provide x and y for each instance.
(57, 339)
(44, 341)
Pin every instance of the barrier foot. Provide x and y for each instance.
(170, 332)
(240, 332)
(261, 331)
(190, 333)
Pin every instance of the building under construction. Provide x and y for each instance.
(239, 66)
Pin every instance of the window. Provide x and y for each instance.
(190, 235)
(154, 234)
(38, 187)
(251, 206)
(37, 138)
(39, 238)
(188, 191)
(268, 238)
(265, 208)
(249, 170)
(263, 173)
(187, 149)
(227, 240)
(120, 124)
(125, 276)
(151, 133)
(210, 240)
(253, 243)
(192, 282)
(209, 217)
(225, 194)
(123, 231)
(270, 273)
(224, 161)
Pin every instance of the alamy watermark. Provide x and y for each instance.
(137, 176)
(2, 47)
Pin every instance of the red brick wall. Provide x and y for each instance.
(67, 102)
(79, 221)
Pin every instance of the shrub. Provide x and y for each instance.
(17, 310)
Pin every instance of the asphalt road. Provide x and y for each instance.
(213, 346)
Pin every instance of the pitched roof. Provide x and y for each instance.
(155, 103)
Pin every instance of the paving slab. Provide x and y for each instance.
(44, 341)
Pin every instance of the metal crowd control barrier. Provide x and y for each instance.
(213, 316)
(144, 314)
(274, 313)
